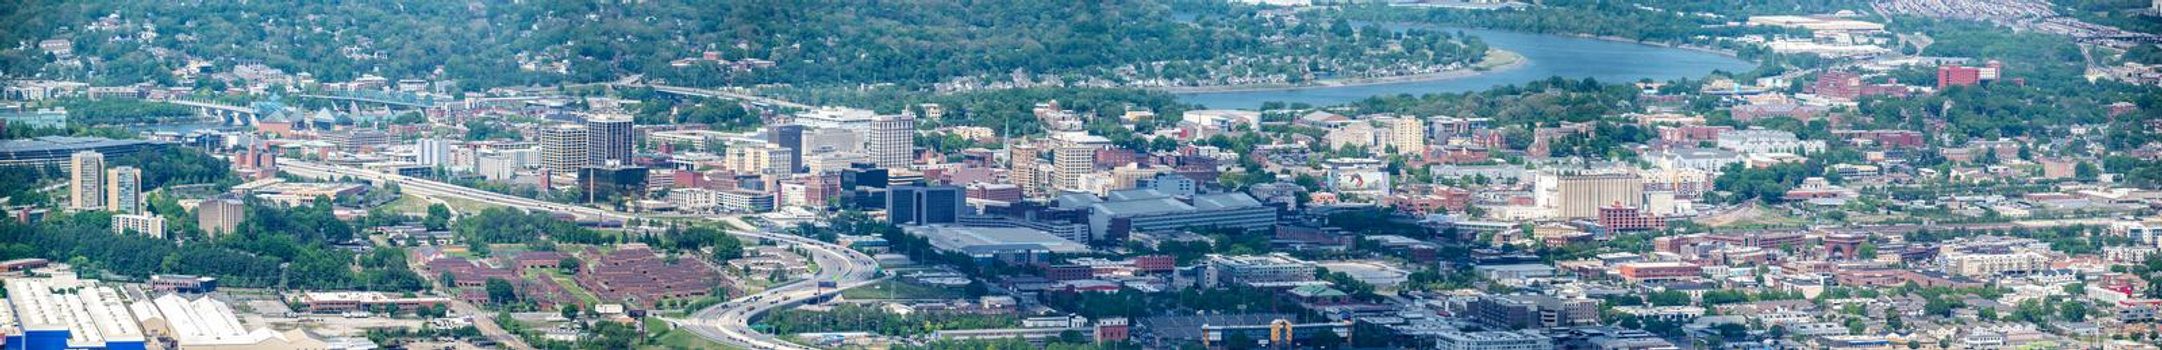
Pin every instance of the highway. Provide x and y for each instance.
(729, 322)
(725, 94)
(726, 323)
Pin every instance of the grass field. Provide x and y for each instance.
(892, 289)
(565, 281)
(667, 337)
(409, 204)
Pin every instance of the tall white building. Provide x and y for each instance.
(564, 148)
(893, 141)
(609, 139)
(431, 152)
(124, 190)
(86, 181)
(1074, 158)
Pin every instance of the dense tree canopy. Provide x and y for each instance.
(489, 44)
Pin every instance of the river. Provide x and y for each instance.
(1545, 55)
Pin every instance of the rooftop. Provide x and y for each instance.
(987, 239)
(1256, 260)
(92, 314)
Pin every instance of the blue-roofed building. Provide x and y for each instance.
(63, 312)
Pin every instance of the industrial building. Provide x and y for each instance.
(208, 324)
(1128, 211)
(65, 312)
(1005, 243)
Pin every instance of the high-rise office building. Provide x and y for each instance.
(124, 190)
(788, 136)
(431, 152)
(86, 181)
(1074, 158)
(925, 205)
(564, 148)
(1021, 159)
(893, 141)
(609, 139)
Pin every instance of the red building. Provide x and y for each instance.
(1766, 239)
(1844, 246)
(994, 192)
(1692, 133)
(1112, 329)
(1840, 84)
(1155, 263)
(1437, 202)
(1114, 157)
(1069, 272)
(1455, 154)
(1619, 217)
(1955, 75)
(1658, 271)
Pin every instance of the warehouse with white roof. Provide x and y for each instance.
(63, 312)
(209, 324)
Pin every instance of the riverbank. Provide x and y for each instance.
(1544, 56)
(1496, 60)
(1709, 50)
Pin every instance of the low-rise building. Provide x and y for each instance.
(145, 224)
(1493, 340)
(1255, 270)
(326, 302)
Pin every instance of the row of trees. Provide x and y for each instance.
(1650, 21)
(851, 317)
(273, 246)
(123, 111)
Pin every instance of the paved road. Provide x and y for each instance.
(728, 322)
(725, 94)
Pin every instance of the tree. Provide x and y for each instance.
(1669, 298)
(500, 291)
(569, 265)
(1325, 339)
(438, 218)
(1732, 331)
(1239, 340)
(1072, 336)
(2073, 311)
(570, 311)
